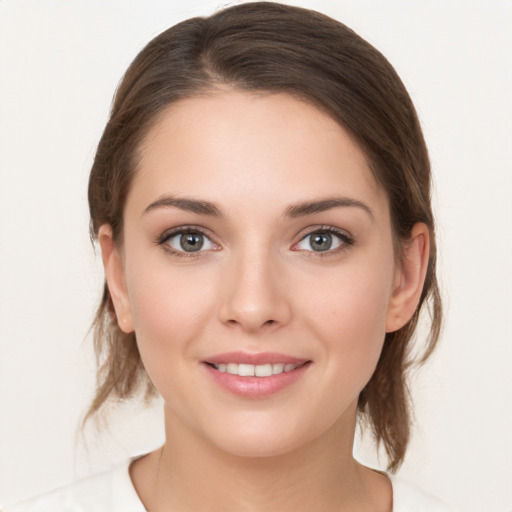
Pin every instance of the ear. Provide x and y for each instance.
(114, 274)
(409, 278)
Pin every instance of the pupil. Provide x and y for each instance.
(191, 242)
(321, 242)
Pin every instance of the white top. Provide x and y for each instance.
(113, 491)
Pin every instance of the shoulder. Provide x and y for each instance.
(110, 491)
(408, 498)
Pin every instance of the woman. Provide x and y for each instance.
(261, 197)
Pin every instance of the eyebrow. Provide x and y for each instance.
(311, 207)
(293, 211)
(190, 205)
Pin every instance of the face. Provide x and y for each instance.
(257, 270)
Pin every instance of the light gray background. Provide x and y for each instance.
(60, 62)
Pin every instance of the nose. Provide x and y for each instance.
(254, 297)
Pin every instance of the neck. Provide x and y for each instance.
(188, 473)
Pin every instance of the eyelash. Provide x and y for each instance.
(183, 230)
(346, 241)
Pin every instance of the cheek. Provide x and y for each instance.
(349, 315)
(169, 314)
(170, 307)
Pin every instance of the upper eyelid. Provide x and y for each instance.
(324, 229)
(346, 238)
(169, 233)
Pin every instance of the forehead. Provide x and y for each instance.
(244, 147)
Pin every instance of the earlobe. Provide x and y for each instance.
(409, 278)
(114, 274)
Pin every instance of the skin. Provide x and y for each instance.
(257, 286)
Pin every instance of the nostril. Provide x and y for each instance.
(252, 325)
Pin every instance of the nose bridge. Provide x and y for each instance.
(254, 296)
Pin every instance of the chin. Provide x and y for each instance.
(264, 438)
(261, 447)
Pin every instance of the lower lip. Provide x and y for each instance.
(256, 387)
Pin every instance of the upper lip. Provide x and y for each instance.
(254, 358)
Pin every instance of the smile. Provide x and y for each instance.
(255, 375)
(251, 370)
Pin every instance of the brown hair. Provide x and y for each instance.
(265, 46)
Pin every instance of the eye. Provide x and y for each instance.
(188, 241)
(323, 240)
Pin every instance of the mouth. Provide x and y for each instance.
(256, 370)
(255, 375)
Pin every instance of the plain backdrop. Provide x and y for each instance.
(60, 62)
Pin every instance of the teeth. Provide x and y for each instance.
(252, 370)
(263, 370)
(232, 368)
(277, 368)
(246, 370)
